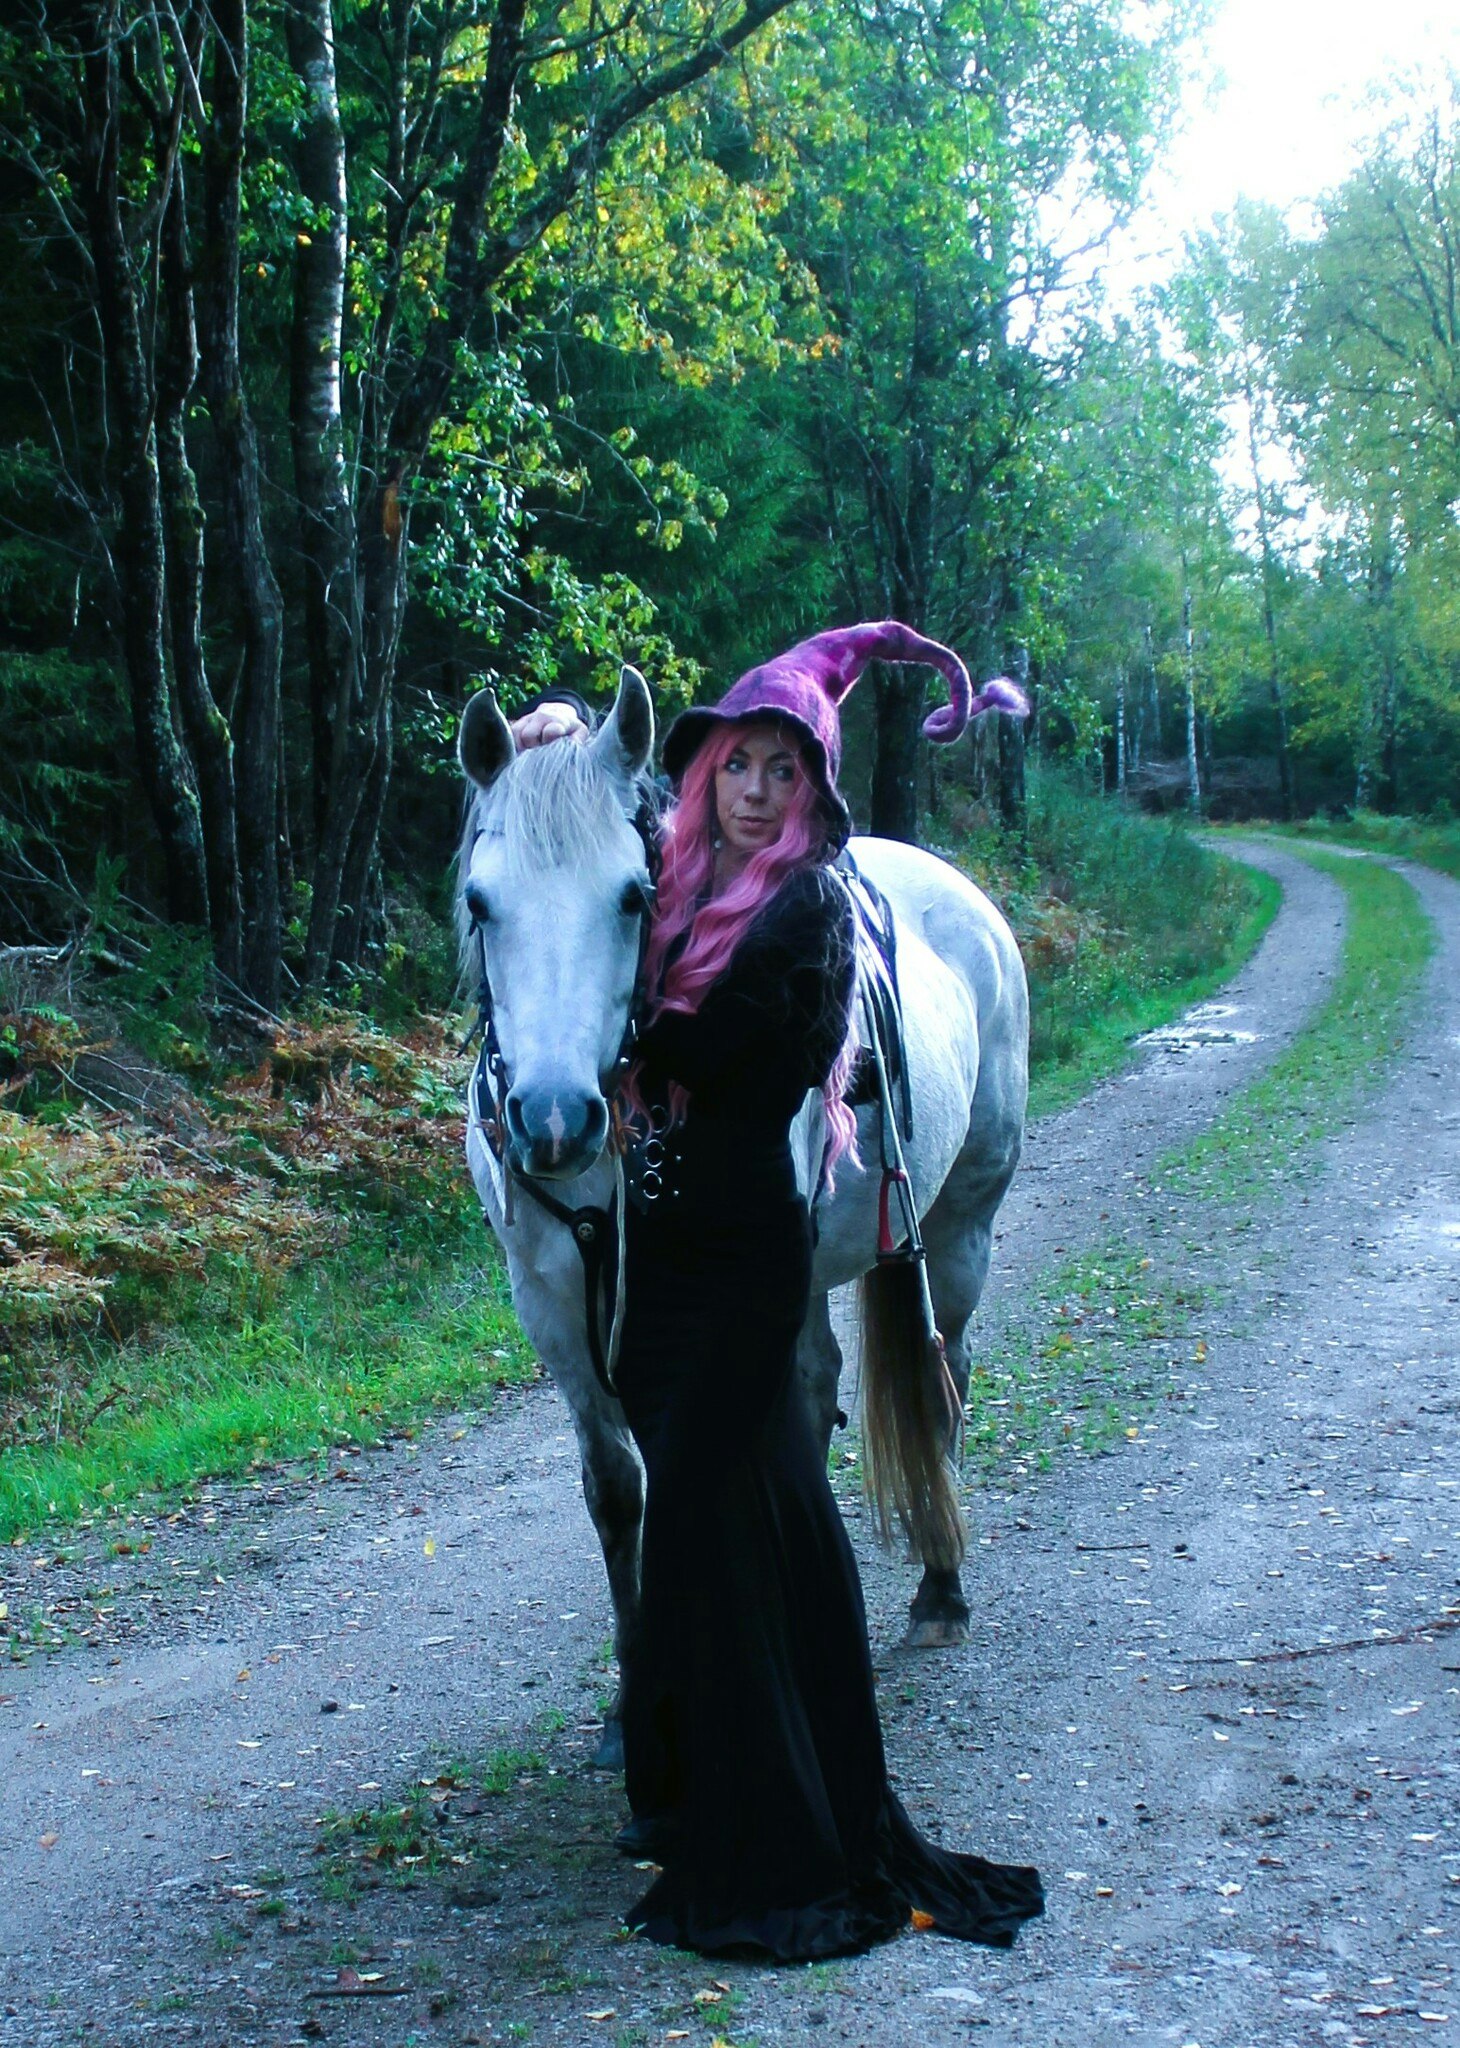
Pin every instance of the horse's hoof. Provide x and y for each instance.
(647, 1835)
(935, 1633)
(609, 1756)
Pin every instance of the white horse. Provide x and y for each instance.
(554, 885)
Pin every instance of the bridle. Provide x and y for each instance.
(597, 1232)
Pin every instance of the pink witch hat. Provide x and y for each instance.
(806, 684)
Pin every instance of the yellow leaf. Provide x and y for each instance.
(923, 1923)
(429, 1546)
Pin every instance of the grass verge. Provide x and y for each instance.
(1124, 921)
(268, 1365)
(1433, 841)
(1109, 1332)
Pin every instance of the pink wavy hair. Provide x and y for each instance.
(716, 925)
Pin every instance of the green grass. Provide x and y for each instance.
(1338, 1057)
(1124, 921)
(1433, 841)
(1107, 1330)
(275, 1365)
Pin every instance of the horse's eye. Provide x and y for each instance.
(636, 899)
(477, 907)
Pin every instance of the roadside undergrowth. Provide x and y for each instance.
(1111, 1334)
(1123, 920)
(1433, 841)
(203, 1276)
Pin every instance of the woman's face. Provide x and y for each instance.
(753, 790)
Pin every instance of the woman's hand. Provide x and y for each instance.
(549, 722)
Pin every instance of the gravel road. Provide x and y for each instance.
(1212, 1688)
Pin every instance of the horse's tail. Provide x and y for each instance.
(909, 1412)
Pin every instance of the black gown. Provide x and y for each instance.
(750, 1721)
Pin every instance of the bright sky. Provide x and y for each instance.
(1276, 108)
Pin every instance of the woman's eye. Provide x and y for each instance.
(784, 772)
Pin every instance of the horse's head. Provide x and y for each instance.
(554, 883)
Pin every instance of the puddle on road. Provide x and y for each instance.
(1204, 1026)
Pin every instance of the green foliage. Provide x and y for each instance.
(1434, 841)
(1123, 921)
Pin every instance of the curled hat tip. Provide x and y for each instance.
(950, 721)
(999, 694)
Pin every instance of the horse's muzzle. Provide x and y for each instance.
(555, 1134)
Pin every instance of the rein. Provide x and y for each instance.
(597, 1232)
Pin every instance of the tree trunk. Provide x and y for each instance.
(139, 548)
(360, 924)
(209, 740)
(1269, 617)
(326, 527)
(900, 696)
(1384, 769)
(1013, 800)
(1188, 664)
(1120, 730)
(256, 720)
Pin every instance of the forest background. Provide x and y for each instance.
(356, 352)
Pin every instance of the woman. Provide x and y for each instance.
(754, 1755)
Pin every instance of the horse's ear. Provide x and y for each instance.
(485, 744)
(625, 740)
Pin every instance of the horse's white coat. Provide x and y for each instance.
(561, 952)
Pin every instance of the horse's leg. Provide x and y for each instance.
(613, 1486)
(959, 1233)
(819, 1362)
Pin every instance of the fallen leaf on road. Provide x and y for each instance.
(49, 1841)
(429, 1546)
(609, 2012)
(360, 1984)
(1229, 1891)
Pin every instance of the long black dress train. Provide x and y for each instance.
(750, 1723)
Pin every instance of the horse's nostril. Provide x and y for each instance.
(556, 1132)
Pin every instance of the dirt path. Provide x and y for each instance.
(299, 1647)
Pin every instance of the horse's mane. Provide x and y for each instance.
(553, 806)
